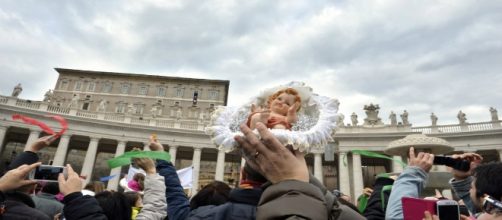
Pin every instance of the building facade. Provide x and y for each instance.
(111, 113)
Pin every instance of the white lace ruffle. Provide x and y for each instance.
(317, 120)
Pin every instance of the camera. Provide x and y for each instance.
(491, 205)
(47, 173)
(457, 164)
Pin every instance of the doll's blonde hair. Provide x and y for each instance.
(287, 91)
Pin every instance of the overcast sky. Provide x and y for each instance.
(422, 56)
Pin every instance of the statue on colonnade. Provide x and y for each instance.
(339, 121)
(17, 90)
(404, 118)
(353, 118)
(462, 119)
(48, 96)
(393, 119)
(494, 114)
(372, 115)
(434, 119)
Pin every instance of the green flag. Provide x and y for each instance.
(125, 159)
(374, 155)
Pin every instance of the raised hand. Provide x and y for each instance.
(422, 160)
(147, 164)
(17, 177)
(73, 183)
(475, 160)
(271, 158)
(41, 143)
(155, 144)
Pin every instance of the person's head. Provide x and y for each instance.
(282, 100)
(51, 188)
(95, 186)
(115, 205)
(134, 199)
(487, 180)
(140, 179)
(215, 193)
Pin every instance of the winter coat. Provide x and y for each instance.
(292, 199)
(377, 203)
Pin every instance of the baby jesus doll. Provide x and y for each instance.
(281, 110)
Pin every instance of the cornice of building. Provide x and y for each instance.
(136, 75)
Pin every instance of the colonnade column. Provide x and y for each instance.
(220, 165)
(3, 131)
(114, 182)
(62, 150)
(318, 166)
(397, 167)
(358, 175)
(34, 135)
(172, 152)
(197, 151)
(90, 158)
(343, 173)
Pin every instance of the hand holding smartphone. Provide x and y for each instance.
(448, 210)
(47, 173)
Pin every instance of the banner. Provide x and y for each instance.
(186, 177)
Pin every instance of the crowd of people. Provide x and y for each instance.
(275, 184)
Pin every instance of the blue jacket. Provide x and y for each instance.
(409, 184)
(241, 205)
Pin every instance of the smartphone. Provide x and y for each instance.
(448, 210)
(47, 173)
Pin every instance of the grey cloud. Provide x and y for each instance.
(404, 57)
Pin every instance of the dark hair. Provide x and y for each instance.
(215, 193)
(254, 175)
(95, 186)
(140, 179)
(51, 188)
(114, 205)
(488, 180)
(132, 197)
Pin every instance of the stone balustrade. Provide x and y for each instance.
(455, 128)
(190, 124)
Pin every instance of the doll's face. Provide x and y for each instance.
(282, 103)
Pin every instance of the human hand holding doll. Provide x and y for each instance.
(281, 112)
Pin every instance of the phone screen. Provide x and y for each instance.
(49, 173)
(448, 212)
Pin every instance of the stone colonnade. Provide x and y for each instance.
(350, 175)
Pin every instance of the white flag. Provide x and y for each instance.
(186, 177)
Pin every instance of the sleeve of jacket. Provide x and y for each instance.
(375, 208)
(408, 184)
(461, 188)
(80, 207)
(26, 157)
(154, 199)
(292, 199)
(178, 206)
